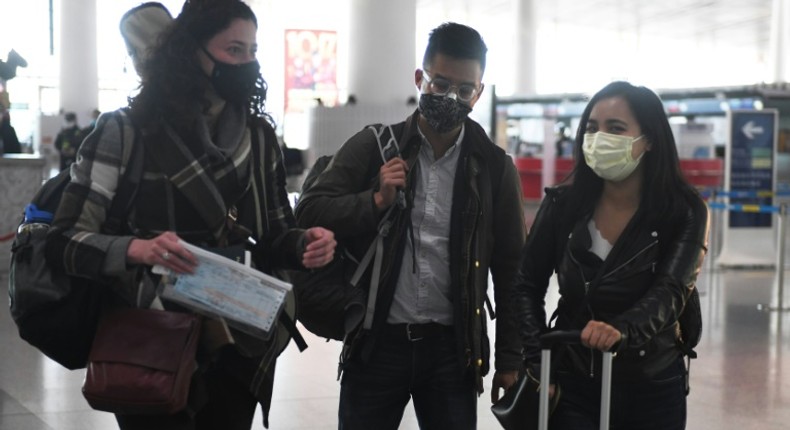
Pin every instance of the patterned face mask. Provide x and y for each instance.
(443, 113)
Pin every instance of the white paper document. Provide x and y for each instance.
(248, 299)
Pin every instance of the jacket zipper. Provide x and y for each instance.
(587, 285)
(642, 251)
(586, 292)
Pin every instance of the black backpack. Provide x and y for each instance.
(690, 321)
(55, 312)
(329, 302)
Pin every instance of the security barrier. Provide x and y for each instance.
(781, 211)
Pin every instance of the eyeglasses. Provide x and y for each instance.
(442, 87)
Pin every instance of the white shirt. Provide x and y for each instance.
(599, 246)
(422, 293)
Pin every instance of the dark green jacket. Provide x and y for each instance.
(487, 232)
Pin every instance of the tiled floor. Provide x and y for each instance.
(741, 380)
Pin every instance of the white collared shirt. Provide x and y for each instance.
(422, 293)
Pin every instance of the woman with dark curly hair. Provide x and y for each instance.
(213, 176)
(626, 237)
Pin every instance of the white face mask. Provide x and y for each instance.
(609, 155)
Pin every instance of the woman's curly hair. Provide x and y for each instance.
(174, 85)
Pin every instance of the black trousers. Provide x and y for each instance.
(655, 404)
(373, 394)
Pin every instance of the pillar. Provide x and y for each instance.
(382, 51)
(526, 47)
(79, 74)
(778, 60)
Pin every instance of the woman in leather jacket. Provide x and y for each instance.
(626, 235)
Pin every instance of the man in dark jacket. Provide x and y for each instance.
(9, 143)
(68, 140)
(458, 213)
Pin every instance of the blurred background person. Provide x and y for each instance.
(9, 143)
(68, 140)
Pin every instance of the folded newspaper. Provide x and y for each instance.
(247, 299)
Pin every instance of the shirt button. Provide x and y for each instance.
(479, 362)
(477, 263)
(477, 311)
(642, 353)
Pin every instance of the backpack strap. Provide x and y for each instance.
(377, 248)
(129, 182)
(389, 148)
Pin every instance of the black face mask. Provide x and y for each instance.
(443, 113)
(235, 83)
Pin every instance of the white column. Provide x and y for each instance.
(779, 62)
(79, 74)
(381, 51)
(526, 43)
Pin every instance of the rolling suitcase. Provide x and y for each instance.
(549, 340)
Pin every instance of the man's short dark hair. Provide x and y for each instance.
(457, 41)
(70, 116)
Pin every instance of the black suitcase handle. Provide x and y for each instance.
(547, 342)
(552, 338)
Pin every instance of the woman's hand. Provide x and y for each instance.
(319, 247)
(600, 336)
(163, 250)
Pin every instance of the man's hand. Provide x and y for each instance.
(504, 380)
(392, 176)
(319, 247)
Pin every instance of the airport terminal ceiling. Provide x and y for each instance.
(667, 44)
(731, 22)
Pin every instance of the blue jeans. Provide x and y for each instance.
(655, 404)
(374, 394)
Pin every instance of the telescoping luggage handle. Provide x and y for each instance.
(547, 341)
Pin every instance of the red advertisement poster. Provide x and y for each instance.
(310, 69)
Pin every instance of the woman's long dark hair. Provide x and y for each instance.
(174, 85)
(664, 189)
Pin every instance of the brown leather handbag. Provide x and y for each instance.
(142, 361)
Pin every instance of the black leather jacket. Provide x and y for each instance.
(640, 288)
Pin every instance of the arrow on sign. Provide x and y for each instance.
(749, 129)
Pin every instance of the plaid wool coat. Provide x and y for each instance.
(191, 181)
